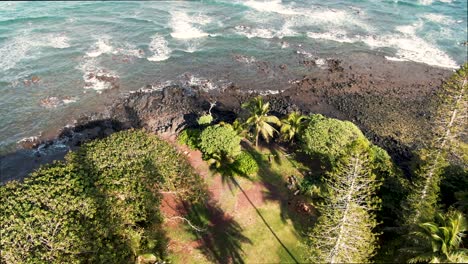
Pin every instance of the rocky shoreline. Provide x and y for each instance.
(390, 101)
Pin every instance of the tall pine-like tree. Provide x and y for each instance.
(344, 231)
(449, 124)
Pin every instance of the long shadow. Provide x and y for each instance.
(275, 191)
(221, 236)
(266, 223)
(292, 206)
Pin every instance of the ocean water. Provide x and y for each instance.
(61, 59)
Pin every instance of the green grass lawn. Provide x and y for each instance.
(245, 236)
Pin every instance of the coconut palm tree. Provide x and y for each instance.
(239, 127)
(442, 240)
(292, 125)
(259, 119)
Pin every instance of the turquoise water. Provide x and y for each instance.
(61, 59)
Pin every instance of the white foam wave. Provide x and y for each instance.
(426, 2)
(255, 32)
(191, 46)
(338, 36)
(97, 78)
(13, 51)
(158, 46)
(321, 62)
(339, 19)
(414, 48)
(305, 54)
(439, 18)
(59, 41)
(286, 30)
(205, 84)
(17, 48)
(188, 80)
(271, 6)
(394, 58)
(408, 45)
(266, 33)
(184, 26)
(54, 102)
(102, 46)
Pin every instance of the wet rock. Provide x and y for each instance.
(35, 79)
(29, 143)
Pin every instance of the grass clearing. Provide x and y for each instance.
(242, 234)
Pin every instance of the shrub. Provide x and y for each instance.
(328, 138)
(245, 164)
(190, 137)
(205, 120)
(100, 206)
(220, 140)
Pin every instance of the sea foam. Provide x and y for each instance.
(184, 26)
(158, 46)
(18, 48)
(271, 6)
(96, 77)
(102, 46)
(406, 42)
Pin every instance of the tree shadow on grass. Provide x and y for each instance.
(276, 191)
(294, 207)
(220, 236)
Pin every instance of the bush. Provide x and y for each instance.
(205, 120)
(220, 140)
(245, 164)
(327, 138)
(100, 206)
(190, 137)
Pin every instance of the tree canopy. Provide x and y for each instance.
(220, 140)
(99, 206)
(328, 138)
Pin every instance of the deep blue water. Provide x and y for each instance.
(71, 49)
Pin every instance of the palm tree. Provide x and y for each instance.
(292, 125)
(442, 240)
(259, 120)
(238, 126)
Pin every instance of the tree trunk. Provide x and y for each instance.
(256, 138)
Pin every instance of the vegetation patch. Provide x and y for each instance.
(99, 206)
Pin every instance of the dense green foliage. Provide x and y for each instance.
(259, 121)
(190, 137)
(100, 206)
(292, 126)
(205, 120)
(245, 164)
(441, 241)
(220, 140)
(449, 125)
(327, 138)
(344, 231)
